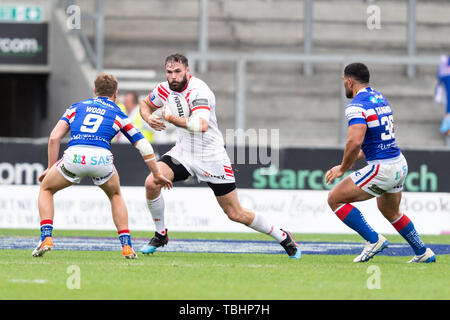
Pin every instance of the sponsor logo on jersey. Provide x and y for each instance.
(179, 107)
(376, 189)
(209, 175)
(95, 161)
(101, 178)
(200, 102)
(152, 97)
(79, 159)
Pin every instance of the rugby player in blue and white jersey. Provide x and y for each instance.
(93, 123)
(371, 135)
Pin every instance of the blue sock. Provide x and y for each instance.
(405, 227)
(353, 218)
(124, 237)
(46, 229)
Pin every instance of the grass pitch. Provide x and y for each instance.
(214, 276)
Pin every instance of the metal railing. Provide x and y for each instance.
(93, 53)
(308, 21)
(241, 59)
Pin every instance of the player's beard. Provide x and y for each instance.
(349, 93)
(178, 86)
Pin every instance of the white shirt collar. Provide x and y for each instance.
(362, 90)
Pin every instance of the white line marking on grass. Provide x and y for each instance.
(38, 281)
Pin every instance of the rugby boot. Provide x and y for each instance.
(128, 252)
(291, 247)
(371, 249)
(427, 257)
(159, 240)
(43, 246)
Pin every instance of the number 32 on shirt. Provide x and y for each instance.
(388, 123)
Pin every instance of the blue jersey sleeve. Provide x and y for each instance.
(127, 128)
(355, 114)
(69, 115)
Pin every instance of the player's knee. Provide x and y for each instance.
(331, 200)
(150, 183)
(46, 188)
(233, 214)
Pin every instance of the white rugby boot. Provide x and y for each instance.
(372, 249)
(427, 257)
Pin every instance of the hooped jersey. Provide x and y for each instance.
(95, 122)
(371, 108)
(200, 145)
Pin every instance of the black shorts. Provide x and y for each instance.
(180, 173)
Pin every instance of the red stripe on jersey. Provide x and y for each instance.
(118, 124)
(149, 100)
(164, 89)
(162, 92)
(228, 167)
(71, 115)
(228, 170)
(187, 96)
(162, 97)
(372, 117)
(201, 107)
(128, 127)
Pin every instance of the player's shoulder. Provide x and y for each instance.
(197, 82)
(82, 103)
(200, 87)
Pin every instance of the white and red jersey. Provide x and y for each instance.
(202, 146)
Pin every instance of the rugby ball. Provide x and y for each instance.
(178, 105)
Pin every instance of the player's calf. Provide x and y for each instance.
(406, 228)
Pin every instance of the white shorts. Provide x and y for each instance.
(217, 171)
(382, 176)
(81, 161)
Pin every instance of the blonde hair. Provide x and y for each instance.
(105, 85)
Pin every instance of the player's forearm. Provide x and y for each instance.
(351, 154)
(148, 154)
(145, 109)
(53, 151)
(193, 124)
(153, 167)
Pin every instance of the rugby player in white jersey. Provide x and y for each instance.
(92, 124)
(199, 152)
(371, 136)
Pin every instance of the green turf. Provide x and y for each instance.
(106, 275)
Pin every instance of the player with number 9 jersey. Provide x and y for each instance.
(92, 124)
(96, 121)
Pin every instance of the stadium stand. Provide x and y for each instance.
(139, 34)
